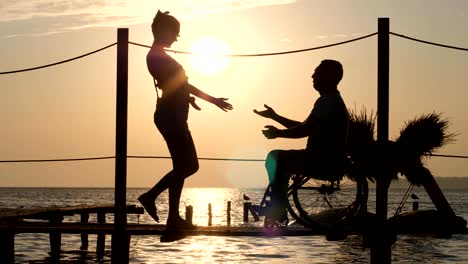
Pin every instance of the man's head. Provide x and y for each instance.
(327, 75)
(165, 29)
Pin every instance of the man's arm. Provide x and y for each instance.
(299, 131)
(270, 113)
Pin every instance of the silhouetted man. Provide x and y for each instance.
(326, 128)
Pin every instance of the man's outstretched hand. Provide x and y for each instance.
(268, 112)
(271, 132)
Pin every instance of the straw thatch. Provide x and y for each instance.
(418, 138)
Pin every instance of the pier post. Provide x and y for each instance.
(189, 214)
(246, 211)
(120, 246)
(84, 217)
(55, 237)
(381, 251)
(101, 238)
(228, 213)
(210, 215)
(7, 246)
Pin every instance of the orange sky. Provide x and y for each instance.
(69, 110)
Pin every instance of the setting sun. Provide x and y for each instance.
(209, 55)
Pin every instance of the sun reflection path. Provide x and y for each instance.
(199, 198)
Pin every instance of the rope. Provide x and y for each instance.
(113, 157)
(165, 157)
(168, 157)
(448, 156)
(429, 42)
(55, 160)
(60, 62)
(270, 54)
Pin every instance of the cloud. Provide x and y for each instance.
(110, 10)
(202, 7)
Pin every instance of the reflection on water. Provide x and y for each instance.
(207, 249)
(33, 248)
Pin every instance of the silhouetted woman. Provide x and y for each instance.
(171, 115)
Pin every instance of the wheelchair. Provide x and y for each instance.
(324, 199)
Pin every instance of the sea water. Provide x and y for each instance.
(34, 248)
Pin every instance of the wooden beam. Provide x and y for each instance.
(381, 251)
(55, 237)
(120, 250)
(7, 246)
(101, 238)
(47, 213)
(144, 229)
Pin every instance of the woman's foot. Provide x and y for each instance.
(179, 224)
(150, 206)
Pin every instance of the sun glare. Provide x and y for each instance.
(209, 55)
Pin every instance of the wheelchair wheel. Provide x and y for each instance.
(323, 204)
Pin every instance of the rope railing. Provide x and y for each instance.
(448, 156)
(239, 55)
(168, 157)
(428, 42)
(230, 55)
(272, 53)
(56, 160)
(60, 62)
(185, 52)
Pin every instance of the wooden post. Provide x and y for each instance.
(228, 213)
(7, 247)
(120, 246)
(438, 198)
(84, 236)
(101, 238)
(210, 215)
(55, 237)
(381, 248)
(189, 214)
(246, 211)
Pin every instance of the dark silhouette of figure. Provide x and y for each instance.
(326, 128)
(170, 118)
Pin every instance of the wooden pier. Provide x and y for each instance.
(14, 221)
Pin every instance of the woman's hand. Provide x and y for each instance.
(193, 103)
(268, 112)
(271, 132)
(222, 104)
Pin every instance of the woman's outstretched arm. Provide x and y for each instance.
(219, 102)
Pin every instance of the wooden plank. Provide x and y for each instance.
(48, 212)
(143, 229)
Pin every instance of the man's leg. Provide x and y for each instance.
(280, 164)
